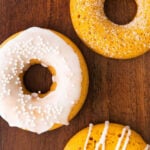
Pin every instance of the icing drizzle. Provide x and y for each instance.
(127, 139)
(88, 136)
(126, 131)
(127, 128)
(103, 137)
(147, 147)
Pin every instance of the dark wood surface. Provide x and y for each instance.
(119, 90)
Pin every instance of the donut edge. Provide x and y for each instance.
(85, 77)
(80, 136)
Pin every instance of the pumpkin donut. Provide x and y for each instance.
(36, 111)
(107, 137)
(107, 38)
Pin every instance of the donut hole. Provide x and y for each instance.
(120, 12)
(37, 79)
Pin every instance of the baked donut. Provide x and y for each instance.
(107, 137)
(35, 111)
(108, 38)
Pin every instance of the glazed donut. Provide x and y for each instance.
(107, 38)
(34, 111)
(107, 137)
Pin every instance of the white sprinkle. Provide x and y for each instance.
(73, 85)
(44, 65)
(54, 78)
(34, 95)
(72, 102)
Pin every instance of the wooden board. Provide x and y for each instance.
(119, 90)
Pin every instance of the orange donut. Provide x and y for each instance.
(107, 38)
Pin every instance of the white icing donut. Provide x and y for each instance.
(29, 111)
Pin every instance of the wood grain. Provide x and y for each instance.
(119, 90)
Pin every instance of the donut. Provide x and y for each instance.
(107, 136)
(107, 38)
(36, 111)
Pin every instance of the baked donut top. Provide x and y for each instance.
(107, 136)
(28, 110)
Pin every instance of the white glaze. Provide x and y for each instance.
(122, 136)
(102, 140)
(127, 139)
(88, 135)
(30, 111)
(103, 137)
(147, 147)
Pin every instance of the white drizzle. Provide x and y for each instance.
(127, 139)
(88, 135)
(104, 134)
(122, 136)
(103, 137)
(147, 147)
